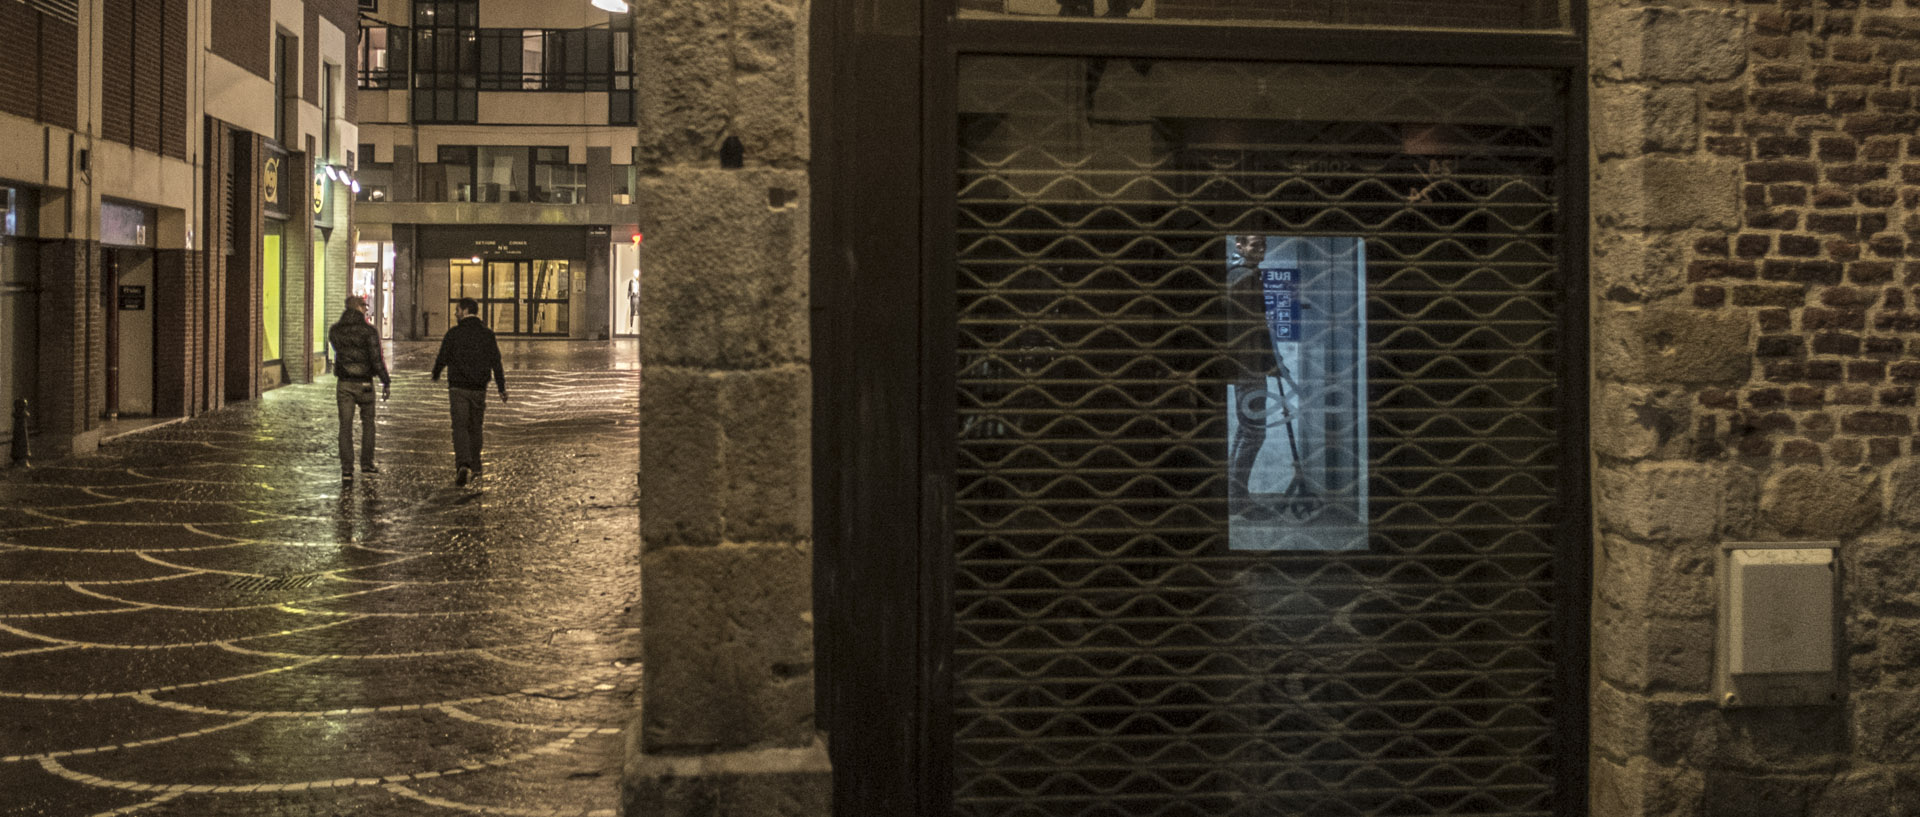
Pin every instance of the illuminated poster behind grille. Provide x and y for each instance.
(1296, 419)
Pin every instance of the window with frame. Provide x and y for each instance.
(587, 59)
(383, 58)
(555, 180)
(446, 60)
(494, 173)
(376, 178)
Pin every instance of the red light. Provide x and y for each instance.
(637, 237)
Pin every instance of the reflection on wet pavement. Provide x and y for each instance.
(204, 620)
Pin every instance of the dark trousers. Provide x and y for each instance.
(350, 394)
(469, 409)
(1248, 439)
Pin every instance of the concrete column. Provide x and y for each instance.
(599, 175)
(406, 175)
(726, 724)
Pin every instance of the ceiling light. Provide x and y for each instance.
(616, 6)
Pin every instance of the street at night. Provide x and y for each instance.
(203, 619)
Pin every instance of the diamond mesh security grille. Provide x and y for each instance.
(1113, 655)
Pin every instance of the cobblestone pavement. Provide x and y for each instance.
(203, 620)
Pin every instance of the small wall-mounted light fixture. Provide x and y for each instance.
(615, 6)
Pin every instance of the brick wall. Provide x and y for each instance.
(39, 80)
(242, 328)
(72, 339)
(215, 226)
(143, 72)
(296, 320)
(243, 33)
(173, 79)
(177, 302)
(310, 55)
(1755, 268)
(116, 70)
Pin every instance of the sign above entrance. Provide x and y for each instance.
(276, 195)
(506, 242)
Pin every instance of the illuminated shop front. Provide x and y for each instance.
(530, 281)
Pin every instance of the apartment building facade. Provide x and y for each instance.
(497, 163)
(175, 229)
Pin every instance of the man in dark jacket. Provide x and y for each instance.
(470, 355)
(356, 362)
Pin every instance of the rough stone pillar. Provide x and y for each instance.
(1753, 327)
(726, 723)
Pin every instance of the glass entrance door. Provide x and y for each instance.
(516, 297)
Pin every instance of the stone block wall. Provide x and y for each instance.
(726, 720)
(1756, 351)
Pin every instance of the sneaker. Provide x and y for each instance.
(369, 468)
(461, 477)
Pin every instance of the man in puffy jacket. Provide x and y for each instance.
(470, 355)
(356, 362)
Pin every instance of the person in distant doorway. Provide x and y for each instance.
(633, 299)
(470, 355)
(357, 360)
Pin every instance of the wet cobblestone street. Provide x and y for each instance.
(204, 620)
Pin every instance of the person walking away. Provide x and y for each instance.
(470, 355)
(356, 362)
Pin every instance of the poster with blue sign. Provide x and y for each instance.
(1296, 403)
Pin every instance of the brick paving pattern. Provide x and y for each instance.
(203, 620)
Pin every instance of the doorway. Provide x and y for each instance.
(1110, 271)
(127, 299)
(372, 270)
(517, 297)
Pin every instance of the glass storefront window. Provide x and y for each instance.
(272, 272)
(555, 180)
(321, 304)
(1534, 15)
(516, 296)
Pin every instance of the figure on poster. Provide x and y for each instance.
(633, 299)
(1261, 393)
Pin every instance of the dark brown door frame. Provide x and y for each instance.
(883, 328)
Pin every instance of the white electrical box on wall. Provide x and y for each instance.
(1778, 633)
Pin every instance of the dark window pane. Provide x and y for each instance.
(620, 108)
